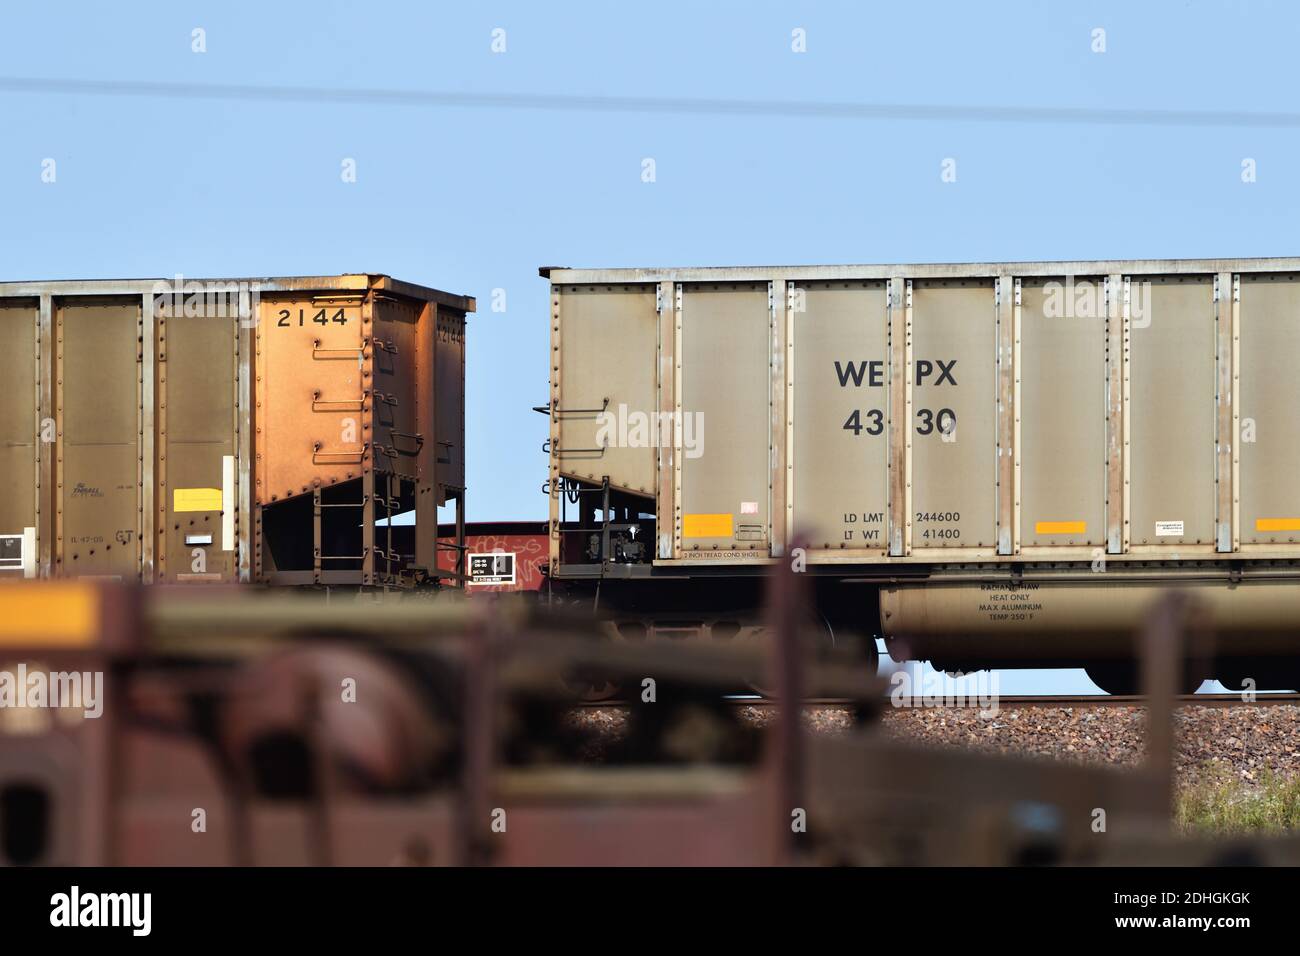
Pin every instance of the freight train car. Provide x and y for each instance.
(499, 555)
(239, 429)
(985, 464)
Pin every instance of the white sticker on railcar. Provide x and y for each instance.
(749, 507)
(497, 567)
(12, 552)
(18, 553)
(1169, 529)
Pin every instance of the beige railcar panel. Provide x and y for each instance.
(553, 440)
(954, 415)
(194, 464)
(196, 420)
(667, 525)
(841, 416)
(1116, 415)
(1172, 411)
(899, 305)
(1227, 455)
(781, 395)
(19, 430)
(1008, 415)
(99, 453)
(1063, 412)
(609, 338)
(1270, 409)
(725, 392)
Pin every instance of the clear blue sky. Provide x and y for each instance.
(472, 199)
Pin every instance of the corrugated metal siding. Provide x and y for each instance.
(1091, 411)
(127, 446)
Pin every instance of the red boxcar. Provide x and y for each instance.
(499, 555)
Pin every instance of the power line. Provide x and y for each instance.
(569, 103)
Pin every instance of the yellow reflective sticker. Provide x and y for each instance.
(1277, 524)
(706, 526)
(1060, 527)
(196, 499)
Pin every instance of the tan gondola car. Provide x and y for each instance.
(237, 429)
(1007, 460)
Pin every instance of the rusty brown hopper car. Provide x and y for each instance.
(986, 464)
(229, 430)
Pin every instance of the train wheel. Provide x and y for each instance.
(1265, 675)
(589, 686)
(870, 655)
(1122, 679)
(818, 635)
(1117, 678)
(1233, 681)
(1233, 675)
(1287, 678)
(591, 690)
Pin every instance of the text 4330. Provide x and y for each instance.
(928, 421)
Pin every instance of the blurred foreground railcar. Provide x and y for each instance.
(987, 465)
(256, 430)
(212, 726)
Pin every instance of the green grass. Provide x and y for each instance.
(1222, 803)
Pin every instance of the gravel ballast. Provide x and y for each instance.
(1248, 742)
(1245, 741)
